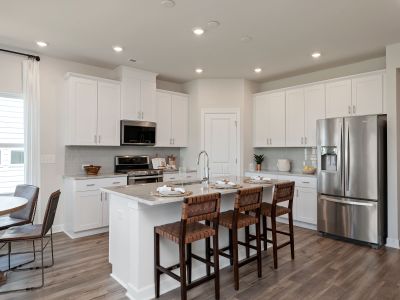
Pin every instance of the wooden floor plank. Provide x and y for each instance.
(323, 269)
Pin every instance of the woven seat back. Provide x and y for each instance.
(248, 199)
(283, 192)
(201, 208)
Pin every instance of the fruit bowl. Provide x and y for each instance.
(309, 170)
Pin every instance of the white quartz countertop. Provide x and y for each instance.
(291, 173)
(98, 176)
(143, 193)
(174, 171)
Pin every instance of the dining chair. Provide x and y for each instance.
(31, 232)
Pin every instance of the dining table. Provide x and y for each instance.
(9, 204)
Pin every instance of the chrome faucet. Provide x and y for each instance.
(206, 166)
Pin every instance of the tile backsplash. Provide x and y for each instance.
(76, 156)
(297, 157)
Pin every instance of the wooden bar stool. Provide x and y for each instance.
(194, 210)
(246, 201)
(282, 192)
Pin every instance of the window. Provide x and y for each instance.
(11, 143)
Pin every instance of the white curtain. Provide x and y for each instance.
(31, 91)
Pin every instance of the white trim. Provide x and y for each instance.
(172, 92)
(393, 243)
(71, 74)
(58, 228)
(75, 235)
(320, 82)
(236, 111)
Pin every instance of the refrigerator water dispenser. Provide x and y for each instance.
(329, 158)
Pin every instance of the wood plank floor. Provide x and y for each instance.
(323, 269)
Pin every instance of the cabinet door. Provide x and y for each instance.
(108, 112)
(88, 212)
(306, 205)
(130, 100)
(367, 95)
(276, 119)
(163, 134)
(314, 109)
(260, 106)
(148, 100)
(384, 94)
(105, 220)
(338, 99)
(180, 120)
(295, 118)
(84, 112)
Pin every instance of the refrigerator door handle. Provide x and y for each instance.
(347, 202)
(347, 156)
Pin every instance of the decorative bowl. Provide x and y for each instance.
(92, 170)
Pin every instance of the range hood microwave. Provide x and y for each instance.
(139, 133)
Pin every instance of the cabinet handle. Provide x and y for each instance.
(91, 184)
(270, 141)
(116, 182)
(297, 193)
(138, 115)
(142, 115)
(349, 109)
(173, 141)
(99, 139)
(101, 197)
(354, 109)
(95, 139)
(302, 140)
(305, 182)
(305, 140)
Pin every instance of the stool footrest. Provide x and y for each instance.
(200, 281)
(168, 272)
(203, 260)
(247, 245)
(247, 260)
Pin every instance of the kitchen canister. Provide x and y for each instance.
(283, 165)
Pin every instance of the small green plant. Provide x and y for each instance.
(258, 158)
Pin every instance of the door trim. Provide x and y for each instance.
(206, 111)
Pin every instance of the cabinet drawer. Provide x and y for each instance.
(307, 182)
(175, 176)
(94, 184)
(250, 174)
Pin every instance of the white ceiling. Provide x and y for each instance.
(284, 32)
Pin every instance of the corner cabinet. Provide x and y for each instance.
(269, 120)
(138, 101)
(92, 111)
(172, 119)
(87, 208)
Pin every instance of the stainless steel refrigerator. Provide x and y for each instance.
(352, 187)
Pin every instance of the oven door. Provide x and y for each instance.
(144, 179)
(138, 133)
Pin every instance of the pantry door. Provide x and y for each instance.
(221, 141)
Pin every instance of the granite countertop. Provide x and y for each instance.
(98, 176)
(291, 173)
(143, 192)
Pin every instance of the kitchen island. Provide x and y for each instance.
(134, 212)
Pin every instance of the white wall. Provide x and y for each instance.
(329, 73)
(10, 73)
(170, 86)
(393, 130)
(218, 93)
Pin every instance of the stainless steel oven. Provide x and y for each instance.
(137, 167)
(140, 133)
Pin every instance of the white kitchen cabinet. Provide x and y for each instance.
(138, 98)
(87, 208)
(108, 114)
(92, 112)
(367, 95)
(269, 120)
(314, 109)
(338, 98)
(306, 205)
(260, 106)
(172, 119)
(295, 114)
(174, 176)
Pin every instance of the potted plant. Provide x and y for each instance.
(258, 158)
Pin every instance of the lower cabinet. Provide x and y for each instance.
(87, 208)
(304, 200)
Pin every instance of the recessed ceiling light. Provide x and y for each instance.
(41, 44)
(316, 55)
(213, 24)
(246, 39)
(168, 3)
(198, 30)
(257, 70)
(118, 49)
(199, 70)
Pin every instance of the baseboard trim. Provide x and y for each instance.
(58, 228)
(393, 243)
(76, 235)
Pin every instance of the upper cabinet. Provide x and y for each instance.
(138, 101)
(360, 95)
(269, 120)
(338, 98)
(92, 111)
(172, 119)
(304, 106)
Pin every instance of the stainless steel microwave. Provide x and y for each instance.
(140, 133)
